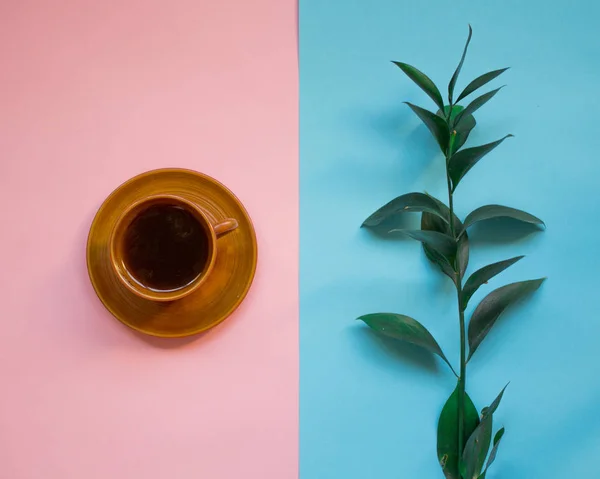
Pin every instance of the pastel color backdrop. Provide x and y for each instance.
(93, 93)
(368, 408)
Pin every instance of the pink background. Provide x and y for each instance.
(92, 93)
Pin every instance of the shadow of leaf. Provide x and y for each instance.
(416, 148)
(573, 431)
(439, 282)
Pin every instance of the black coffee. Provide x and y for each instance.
(165, 248)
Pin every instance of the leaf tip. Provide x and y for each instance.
(537, 283)
(367, 225)
(470, 34)
(373, 220)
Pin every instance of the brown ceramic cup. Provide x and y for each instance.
(164, 247)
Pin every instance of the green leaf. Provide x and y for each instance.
(452, 83)
(423, 81)
(482, 276)
(456, 109)
(446, 264)
(404, 328)
(463, 241)
(430, 222)
(439, 242)
(408, 203)
(494, 451)
(491, 409)
(479, 82)
(493, 305)
(477, 448)
(437, 126)
(447, 436)
(498, 211)
(479, 443)
(476, 105)
(461, 131)
(460, 164)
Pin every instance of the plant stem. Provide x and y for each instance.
(462, 380)
(451, 205)
(463, 374)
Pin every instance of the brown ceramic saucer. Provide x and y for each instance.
(224, 289)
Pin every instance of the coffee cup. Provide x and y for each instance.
(164, 247)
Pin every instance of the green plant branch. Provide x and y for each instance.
(464, 436)
(462, 378)
(462, 384)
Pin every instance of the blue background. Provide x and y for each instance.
(368, 408)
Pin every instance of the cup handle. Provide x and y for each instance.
(224, 227)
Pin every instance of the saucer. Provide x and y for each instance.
(224, 289)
